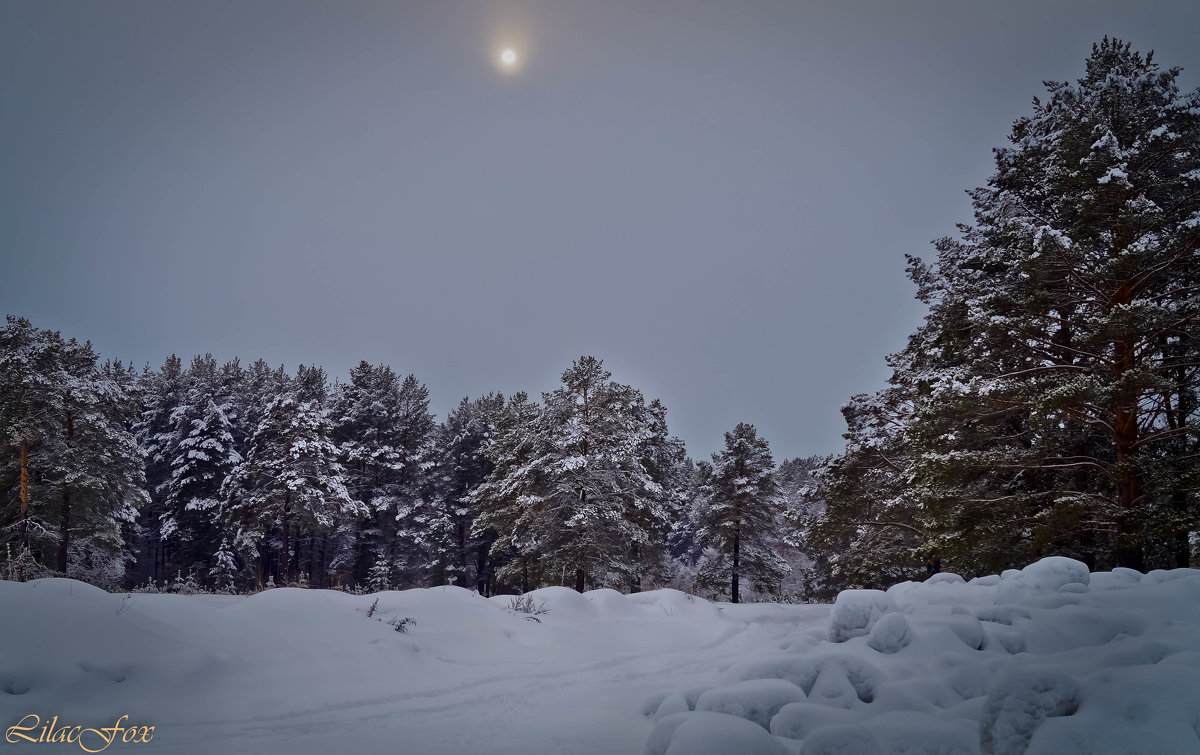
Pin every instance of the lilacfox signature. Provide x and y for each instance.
(88, 739)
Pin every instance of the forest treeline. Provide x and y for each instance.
(224, 477)
(1046, 405)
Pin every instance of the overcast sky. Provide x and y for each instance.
(714, 198)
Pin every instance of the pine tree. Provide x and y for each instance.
(163, 391)
(739, 513)
(572, 492)
(1078, 305)
(30, 407)
(1048, 404)
(870, 532)
(382, 426)
(200, 445)
(511, 515)
(223, 573)
(69, 454)
(460, 465)
(291, 481)
(379, 578)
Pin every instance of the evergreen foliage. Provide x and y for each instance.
(738, 514)
(1048, 404)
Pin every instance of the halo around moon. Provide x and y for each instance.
(509, 52)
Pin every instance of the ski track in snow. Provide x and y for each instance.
(510, 707)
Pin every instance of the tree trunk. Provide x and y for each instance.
(24, 495)
(285, 561)
(64, 537)
(323, 573)
(737, 555)
(1127, 480)
(635, 580)
(579, 580)
(64, 533)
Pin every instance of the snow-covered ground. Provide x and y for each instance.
(1049, 659)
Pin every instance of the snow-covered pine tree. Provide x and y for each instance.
(201, 447)
(802, 501)
(739, 513)
(379, 578)
(411, 498)
(71, 461)
(106, 487)
(291, 481)
(1048, 404)
(257, 388)
(1072, 409)
(31, 406)
(460, 465)
(665, 459)
(571, 494)
(511, 515)
(163, 391)
(224, 571)
(605, 502)
(382, 426)
(870, 531)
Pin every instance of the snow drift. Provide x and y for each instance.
(1047, 660)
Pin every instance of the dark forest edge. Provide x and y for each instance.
(1046, 406)
(227, 478)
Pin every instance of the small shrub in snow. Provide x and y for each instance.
(524, 604)
(190, 585)
(371, 610)
(401, 624)
(150, 587)
(182, 586)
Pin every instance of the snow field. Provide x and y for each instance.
(307, 671)
(1047, 660)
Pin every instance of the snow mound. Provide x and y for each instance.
(856, 611)
(1018, 703)
(891, 634)
(705, 733)
(756, 700)
(1050, 575)
(1045, 660)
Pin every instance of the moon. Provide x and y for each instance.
(508, 57)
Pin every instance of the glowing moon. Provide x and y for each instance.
(508, 57)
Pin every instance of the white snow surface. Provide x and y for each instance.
(1048, 659)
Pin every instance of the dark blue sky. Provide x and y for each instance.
(714, 198)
